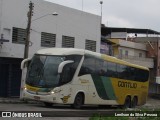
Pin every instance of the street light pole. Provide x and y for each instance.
(54, 14)
(101, 2)
(30, 14)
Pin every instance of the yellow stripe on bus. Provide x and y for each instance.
(35, 89)
(118, 61)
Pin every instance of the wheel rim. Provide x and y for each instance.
(134, 103)
(78, 101)
(48, 104)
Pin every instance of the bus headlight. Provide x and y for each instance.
(52, 92)
(25, 88)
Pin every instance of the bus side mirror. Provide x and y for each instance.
(62, 64)
(24, 62)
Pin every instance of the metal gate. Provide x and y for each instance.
(10, 77)
(4, 79)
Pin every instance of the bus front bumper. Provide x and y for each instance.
(51, 98)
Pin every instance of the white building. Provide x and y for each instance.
(70, 28)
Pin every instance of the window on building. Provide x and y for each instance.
(18, 35)
(120, 53)
(90, 45)
(140, 54)
(68, 42)
(126, 53)
(48, 39)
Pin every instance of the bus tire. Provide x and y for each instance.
(127, 103)
(48, 104)
(134, 102)
(78, 101)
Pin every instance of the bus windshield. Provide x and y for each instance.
(43, 71)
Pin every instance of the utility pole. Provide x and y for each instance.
(82, 5)
(101, 2)
(29, 15)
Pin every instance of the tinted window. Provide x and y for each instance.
(67, 74)
(105, 67)
(99, 67)
(70, 69)
(130, 73)
(122, 71)
(141, 75)
(92, 65)
(88, 66)
(111, 70)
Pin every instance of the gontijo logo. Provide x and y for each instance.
(127, 84)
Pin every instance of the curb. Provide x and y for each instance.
(16, 101)
(10, 100)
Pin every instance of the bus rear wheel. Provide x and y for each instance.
(48, 104)
(78, 102)
(127, 103)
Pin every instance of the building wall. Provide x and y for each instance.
(152, 44)
(134, 49)
(132, 52)
(69, 22)
(133, 45)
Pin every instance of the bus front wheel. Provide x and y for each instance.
(78, 102)
(48, 104)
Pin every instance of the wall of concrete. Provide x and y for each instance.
(69, 22)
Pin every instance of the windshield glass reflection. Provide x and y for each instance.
(43, 71)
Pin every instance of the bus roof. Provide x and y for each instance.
(73, 51)
(116, 60)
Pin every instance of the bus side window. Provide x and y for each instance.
(131, 73)
(70, 69)
(127, 73)
(67, 74)
(105, 68)
(111, 69)
(99, 67)
(88, 66)
(121, 70)
(141, 75)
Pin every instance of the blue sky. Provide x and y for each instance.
(121, 13)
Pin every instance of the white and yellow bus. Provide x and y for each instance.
(81, 77)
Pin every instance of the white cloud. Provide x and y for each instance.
(113, 21)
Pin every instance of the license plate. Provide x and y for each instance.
(36, 98)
